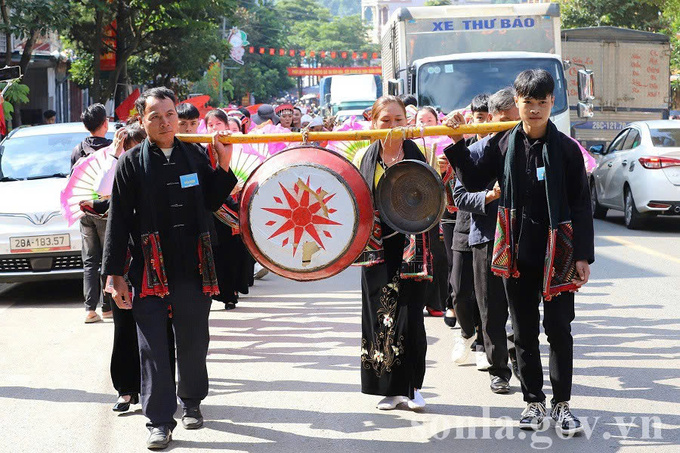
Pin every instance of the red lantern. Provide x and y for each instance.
(323, 54)
(251, 49)
(282, 52)
(312, 53)
(375, 55)
(262, 50)
(343, 54)
(354, 55)
(364, 55)
(333, 54)
(271, 51)
(291, 52)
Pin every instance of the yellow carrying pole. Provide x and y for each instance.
(373, 134)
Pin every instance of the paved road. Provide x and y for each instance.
(284, 370)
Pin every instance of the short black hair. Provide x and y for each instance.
(534, 83)
(480, 103)
(94, 116)
(49, 114)
(158, 93)
(244, 111)
(409, 99)
(187, 111)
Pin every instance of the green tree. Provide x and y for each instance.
(159, 41)
(437, 2)
(636, 14)
(27, 20)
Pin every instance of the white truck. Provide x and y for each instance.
(631, 72)
(446, 55)
(348, 94)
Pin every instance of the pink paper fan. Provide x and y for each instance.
(90, 175)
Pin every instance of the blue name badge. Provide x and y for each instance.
(540, 173)
(189, 180)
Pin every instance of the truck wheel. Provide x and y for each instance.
(631, 216)
(599, 212)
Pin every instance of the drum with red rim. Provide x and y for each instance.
(306, 213)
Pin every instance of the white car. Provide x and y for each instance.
(639, 172)
(36, 242)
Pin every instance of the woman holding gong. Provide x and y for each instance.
(393, 342)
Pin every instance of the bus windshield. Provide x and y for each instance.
(451, 85)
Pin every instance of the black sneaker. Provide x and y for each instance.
(499, 385)
(533, 415)
(192, 417)
(159, 438)
(565, 422)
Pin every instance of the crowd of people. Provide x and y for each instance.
(164, 256)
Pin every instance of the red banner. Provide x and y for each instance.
(107, 61)
(334, 70)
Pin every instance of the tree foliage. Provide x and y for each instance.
(158, 41)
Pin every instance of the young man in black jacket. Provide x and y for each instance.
(162, 201)
(92, 228)
(544, 227)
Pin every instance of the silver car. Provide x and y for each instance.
(639, 172)
(36, 242)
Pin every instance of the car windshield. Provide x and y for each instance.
(665, 138)
(467, 79)
(38, 156)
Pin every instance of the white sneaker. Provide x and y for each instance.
(260, 271)
(461, 349)
(390, 402)
(418, 402)
(482, 362)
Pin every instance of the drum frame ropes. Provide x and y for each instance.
(295, 209)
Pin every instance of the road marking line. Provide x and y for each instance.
(641, 248)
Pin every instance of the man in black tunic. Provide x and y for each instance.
(163, 195)
(544, 199)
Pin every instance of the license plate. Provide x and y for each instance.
(35, 244)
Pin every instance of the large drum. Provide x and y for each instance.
(306, 213)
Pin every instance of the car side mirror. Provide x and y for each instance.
(586, 85)
(585, 110)
(395, 87)
(596, 149)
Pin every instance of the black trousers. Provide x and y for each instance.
(493, 310)
(524, 296)
(447, 229)
(125, 373)
(462, 292)
(190, 311)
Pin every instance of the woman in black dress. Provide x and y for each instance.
(393, 343)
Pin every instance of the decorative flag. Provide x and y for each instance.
(237, 39)
(200, 103)
(127, 108)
